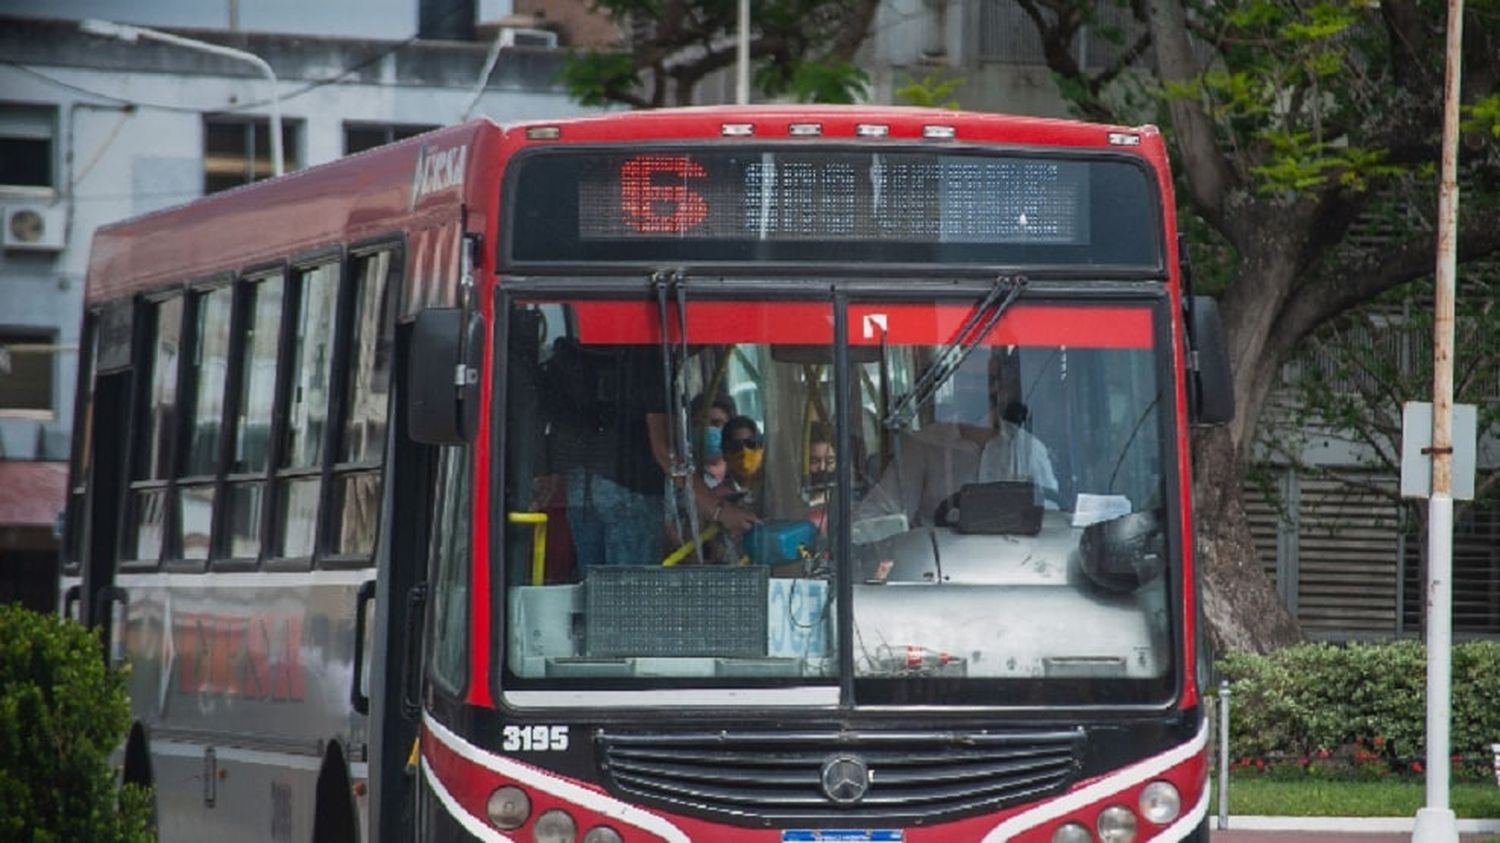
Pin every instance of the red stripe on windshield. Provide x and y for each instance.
(811, 323)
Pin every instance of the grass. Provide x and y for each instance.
(1316, 797)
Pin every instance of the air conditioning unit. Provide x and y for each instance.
(520, 36)
(33, 227)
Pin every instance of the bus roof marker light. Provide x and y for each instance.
(939, 132)
(737, 130)
(805, 130)
(543, 132)
(1124, 139)
(872, 130)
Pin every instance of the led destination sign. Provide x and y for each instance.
(801, 204)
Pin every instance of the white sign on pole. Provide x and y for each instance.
(1416, 435)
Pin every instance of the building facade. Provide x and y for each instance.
(93, 130)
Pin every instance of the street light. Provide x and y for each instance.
(131, 34)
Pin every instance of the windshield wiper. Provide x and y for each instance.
(974, 329)
(673, 360)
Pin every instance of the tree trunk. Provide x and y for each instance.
(1240, 608)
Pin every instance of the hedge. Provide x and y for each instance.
(1361, 703)
(62, 713)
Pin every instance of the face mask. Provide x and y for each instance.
(820, 480)
(746, 462)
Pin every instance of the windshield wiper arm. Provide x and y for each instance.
(974, 329)
(679, 446)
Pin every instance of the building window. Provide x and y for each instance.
(27, 138)
(26, 361)
(237, 150)
(359, 137)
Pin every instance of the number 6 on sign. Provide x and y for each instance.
(651, 204)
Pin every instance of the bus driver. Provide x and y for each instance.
(971, 441)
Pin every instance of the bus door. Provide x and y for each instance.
(106, 440)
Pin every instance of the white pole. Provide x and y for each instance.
(742, 67)
(1436, 822)
(125, 32)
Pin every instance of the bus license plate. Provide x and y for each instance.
(843, 835)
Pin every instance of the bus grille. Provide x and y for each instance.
(759, 777)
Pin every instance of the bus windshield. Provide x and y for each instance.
(672, 507)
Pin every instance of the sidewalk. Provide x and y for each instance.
(1255, 829)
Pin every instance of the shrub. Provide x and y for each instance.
(61, 714)
(1359, 707)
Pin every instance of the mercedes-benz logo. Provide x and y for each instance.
(845, 778)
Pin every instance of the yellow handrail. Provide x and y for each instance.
(681, 553)
(538, 522)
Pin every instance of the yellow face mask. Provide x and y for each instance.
(746, 462)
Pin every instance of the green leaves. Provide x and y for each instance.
(1315, 699)
(62, 712)
(600, 78)
(825, 82)
(931, 91)
(1298, 162)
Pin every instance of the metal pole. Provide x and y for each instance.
(1436, 822)
(125, 32)
(742, 68)
(1223, 754)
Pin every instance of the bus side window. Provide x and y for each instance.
(152, 458)
(299, 476)
(366, 405)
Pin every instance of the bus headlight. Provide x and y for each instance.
(555, 826)
(509, 807)
(1072, 833)
(1117, 825)
(1160, 802)
(602, 834)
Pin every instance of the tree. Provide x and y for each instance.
(1297, 128)
(801, 48)
(62, 712)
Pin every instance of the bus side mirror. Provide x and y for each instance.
(442, 376)
(1210, 384)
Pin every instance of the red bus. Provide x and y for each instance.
(763, 474)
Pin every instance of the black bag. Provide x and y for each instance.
(1003, 507)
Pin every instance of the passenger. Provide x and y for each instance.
(745, 453)
(718, 413)
(822, 465)
(971, 442)
(711, 456)
(611, 407)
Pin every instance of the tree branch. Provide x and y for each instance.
(1208, 174)
(1313, 304)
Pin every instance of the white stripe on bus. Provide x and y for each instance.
(761, 697)
(470, 822)
(245, 579)
(1101, 789)
(1186, 825)
(547, 783)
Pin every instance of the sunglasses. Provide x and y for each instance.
(739, 443)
